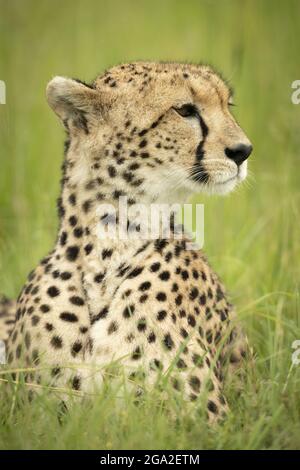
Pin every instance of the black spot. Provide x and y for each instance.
(161, 315)
(49, 327)
(164, 275)
(136, 272)
(118, 193)
(223, 314)
(145, 155)
(72, 199)
(44, 308)
(212, 407)
(161, 297)
(181, 364)
(113, 327)
(182, 313)
(143, 298)
(195, 274)
(137, 354)
(156, 365)
(75, 300)
(168, 256)
(220, 294)
(133, 166)
(69, 317)
(27, 340)
(88, 248)
(208, 314)
(76, 382)
(168, 342)
(56, 342)
(53, 291)
(60, 207)
(72, 252)
(175, 287)
(183, 333)
(194, 382)
(86, 206)
(142, 324)
(143, 143)
(99, 277)
(78, 232)
(76, 348)
(197, 360)
(111, 171)
(35, 356)
(130, 338)
(63, 238)
(106, 253)
(184, 275)
(151, 338)
(102, 314)
(35, 290)
(155, 267)
(178, 250)
(127, 293)
(160, 244)
(191, 320)
(209, 336)
(18, 351)
(194, 293)
(73, 220)
(128, 311)
(128, 176)
(145, 286)
(65, 275)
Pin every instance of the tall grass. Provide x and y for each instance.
(251, 237)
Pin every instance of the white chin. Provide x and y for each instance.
(229, 185)
(224, 188)
(242, 175)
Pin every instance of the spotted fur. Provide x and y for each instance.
(148, 304)
(7, 317)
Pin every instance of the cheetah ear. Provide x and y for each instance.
(72, 100)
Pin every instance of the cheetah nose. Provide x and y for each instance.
(239, 153)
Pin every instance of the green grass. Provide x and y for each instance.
(251, 237)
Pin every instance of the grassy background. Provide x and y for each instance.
(251, 236)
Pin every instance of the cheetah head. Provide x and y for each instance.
(153, 130)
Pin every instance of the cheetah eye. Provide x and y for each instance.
(187, 110)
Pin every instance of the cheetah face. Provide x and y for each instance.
(159, 130)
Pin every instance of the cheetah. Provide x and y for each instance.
(153, 133)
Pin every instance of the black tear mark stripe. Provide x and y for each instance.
(204, 126)
(205, 132)
(198, 172)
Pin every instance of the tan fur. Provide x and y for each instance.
(7, 317)
(146, 304)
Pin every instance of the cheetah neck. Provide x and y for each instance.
(94, 223)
